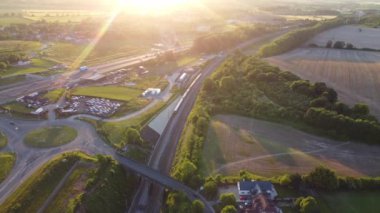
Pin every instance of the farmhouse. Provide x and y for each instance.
(257, 196)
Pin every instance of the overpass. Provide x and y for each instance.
(163, 180)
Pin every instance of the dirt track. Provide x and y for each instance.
(268, 149)
(355, 75)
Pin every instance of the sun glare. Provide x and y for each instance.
(152, 5)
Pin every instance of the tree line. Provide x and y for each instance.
(220, 41)
(298, 37)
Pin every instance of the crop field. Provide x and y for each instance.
(353, 74)
(366, 38)
(268, 149)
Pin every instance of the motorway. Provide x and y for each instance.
(72, 77)
(30, 159)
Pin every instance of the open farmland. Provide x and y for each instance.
(353, 74)
(366, 38)
(235, 143)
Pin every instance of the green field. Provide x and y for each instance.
(50, 136)
(37, 66)
(17, 108)
(3, 140)
(350, 202)
(54, 95)
(15, 46)
(109, 92)
(7, 160)
(5, 21)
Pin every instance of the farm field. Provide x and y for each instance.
(367, 38)
(353, 74)
(268, 149)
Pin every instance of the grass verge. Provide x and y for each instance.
(3, 140)
(7, 161)
(50, 137)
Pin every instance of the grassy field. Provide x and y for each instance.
(11, 80)
(268, 149)
(17, 108)
(54, 95)
(50, 136)
(103, 51)
(109, 92)
(7, 160)
(3, 140)
(350, 202)
(37, 66)
(14, 46)
(5, 21)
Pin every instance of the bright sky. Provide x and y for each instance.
(154, 5)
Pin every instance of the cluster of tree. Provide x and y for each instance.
(324, 179)
(296, 38)
(224, 40)
(339, 45)
(8, 59)
(251, 87)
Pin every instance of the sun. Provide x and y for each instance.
(152, 5)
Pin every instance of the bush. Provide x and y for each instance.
(308, 205)
(197, 206)
(322, 178)
(210, 189)
(339, 44)
(228, 199)
(229, 209)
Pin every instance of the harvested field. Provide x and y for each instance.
(264, 148)
(366, 38)
(355, 75)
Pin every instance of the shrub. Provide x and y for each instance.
(228, 199)
(229, 209)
